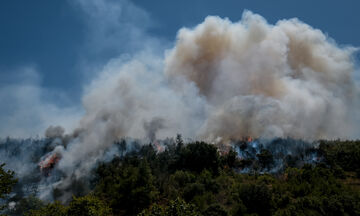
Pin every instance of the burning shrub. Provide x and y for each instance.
(49, 163)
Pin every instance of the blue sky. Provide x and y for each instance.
(55, 47)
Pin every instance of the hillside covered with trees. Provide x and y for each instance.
(199, 179)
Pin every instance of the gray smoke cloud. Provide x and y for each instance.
(221, 81)
(54, 132)
(152, 127)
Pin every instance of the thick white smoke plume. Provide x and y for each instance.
(226, 80)
(230, 80)
(221, 81)
(263, 80)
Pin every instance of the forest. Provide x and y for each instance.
(198, 178)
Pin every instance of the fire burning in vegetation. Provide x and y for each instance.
(222, 82)
(49, 163)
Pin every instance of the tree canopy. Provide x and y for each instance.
(196, 179)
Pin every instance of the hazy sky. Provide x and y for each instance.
(51, 49)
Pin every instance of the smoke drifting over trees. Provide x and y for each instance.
(229, 80)
(221, 81)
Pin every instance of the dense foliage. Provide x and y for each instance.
(195, 179)
(7, 181)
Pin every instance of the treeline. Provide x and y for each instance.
(195, 179)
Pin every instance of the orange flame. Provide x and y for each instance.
(158, 147)
(49, 162)
(249, 139)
